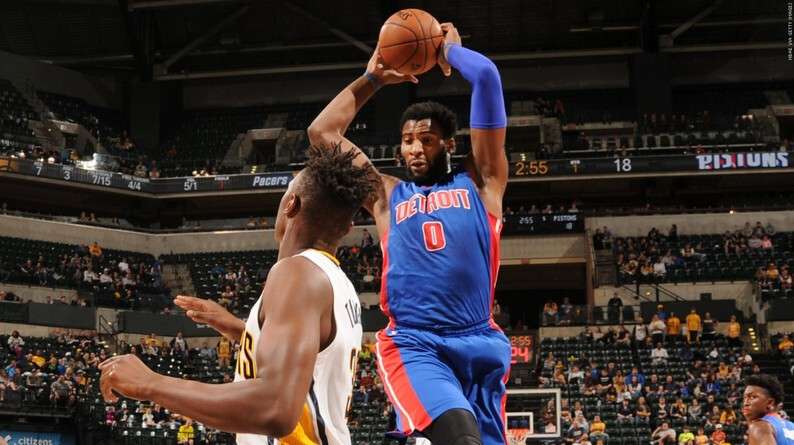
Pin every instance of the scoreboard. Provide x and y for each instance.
(522, 347)
(555, 168)
(651, 164)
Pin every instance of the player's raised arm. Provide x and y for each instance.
(330, 126)
(297, 300)
(488, 119)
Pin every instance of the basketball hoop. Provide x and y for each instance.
(517, 436)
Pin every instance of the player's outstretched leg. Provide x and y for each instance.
(454, 427)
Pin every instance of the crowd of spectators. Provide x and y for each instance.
(651, 393)
(649, 258)
(59, 374)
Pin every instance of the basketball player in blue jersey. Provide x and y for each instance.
(443, 360)
(762, 397)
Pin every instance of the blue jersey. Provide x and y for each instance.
(784, 430)
(440, 256)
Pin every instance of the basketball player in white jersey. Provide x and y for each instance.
(299, 345)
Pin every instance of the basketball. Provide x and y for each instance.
(409, 41)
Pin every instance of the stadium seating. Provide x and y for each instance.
(50, 264)
(15, 113)
(589, 355)
(105, 124)
(208, 272)
(710, 263)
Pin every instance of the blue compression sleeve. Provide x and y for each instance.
(487, 100)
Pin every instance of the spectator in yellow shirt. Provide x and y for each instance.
(785, 344)
(95, 250)
(734, 332)
(598, 429)
(701, 438)
(693, 325)
(185, 434)
(686, 438)
(728, 416)
(673, 326)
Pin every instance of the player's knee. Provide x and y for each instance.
(455, 427)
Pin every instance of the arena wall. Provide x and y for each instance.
(539, 249)
(543, 249)
(156, 244)
(691, 224)
(741, 291)
(38, 294)
(780, 327)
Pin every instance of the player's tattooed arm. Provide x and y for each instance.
(297, 303)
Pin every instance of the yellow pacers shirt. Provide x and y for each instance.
(673, 326)
(185, 433)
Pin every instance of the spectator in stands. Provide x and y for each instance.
(179, 345)
(709, 326)
(672, 234)
(208, 353)
(734, 332)
(772, 272)
(598, 429)
(613, 308)
(693, 325)
(663, 434)
(623, 337)
(686, 437)
(61, 393)
(550, 313)
(15, 343)
(701, 438)
(784, 346)
(695, 411)
(689, 254)
(728, 416)
(657, 329)
(659, 268)
(625, 412)
(718, 436)
(96, 251)
(673, 326)
(565, 311)
(224, 352)
(659, 355)
(766, 243)
(640, 331)
(643, 411)
(186, 433)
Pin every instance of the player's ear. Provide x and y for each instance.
(450, 146)
(293, 206)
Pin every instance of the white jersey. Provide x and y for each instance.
(323, 420)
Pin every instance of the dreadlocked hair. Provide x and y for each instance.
(335, 182)
(770, 383)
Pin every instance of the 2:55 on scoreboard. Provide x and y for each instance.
(530, 168)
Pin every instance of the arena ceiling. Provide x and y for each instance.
(173, 38)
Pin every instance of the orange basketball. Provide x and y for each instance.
(409, 41)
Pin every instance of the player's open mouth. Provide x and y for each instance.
(418, 164)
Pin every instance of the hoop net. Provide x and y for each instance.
(517, 436)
